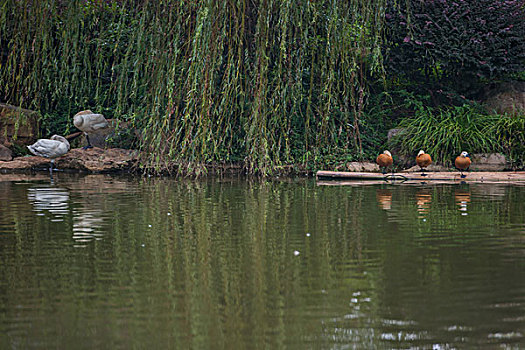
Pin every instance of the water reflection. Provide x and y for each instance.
(423, 201)
(384, 198)
(86, 224)
(462, 198)
(92, 193)
(54, 200)
(492, 191)
(89, 194)
(209, 264)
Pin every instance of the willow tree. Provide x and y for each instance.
(268, 82)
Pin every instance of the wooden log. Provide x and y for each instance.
(455, 176)
(73, 135)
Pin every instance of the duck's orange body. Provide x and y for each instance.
(423, 160)
(384, 160)
(462, 163)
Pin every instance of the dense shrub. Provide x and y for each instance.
(455, 43)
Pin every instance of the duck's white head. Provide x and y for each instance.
(420, 153)
(387, 153)
(464, 154)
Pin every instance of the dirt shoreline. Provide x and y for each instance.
(115, 160)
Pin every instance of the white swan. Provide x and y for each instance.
(51, 148)
(89, 122)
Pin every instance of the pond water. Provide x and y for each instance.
(119, 262)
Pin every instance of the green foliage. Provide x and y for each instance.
(53, 123)
(268, 82)
(445, 132)
(519, 76)
(456, 44)
(122, 138)
(18, 150)
(509, 134)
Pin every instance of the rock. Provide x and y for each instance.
(362, 166)
(17, 125)
(488, 162)
(104, 136)
(508, 97)
(400, 160)
(431, 167)
(5, 153)
(98, 160)
(404, 161)
(394, 132)
(95, 160)
(24, 163)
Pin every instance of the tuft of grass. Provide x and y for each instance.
(445, 132)
(509, 134)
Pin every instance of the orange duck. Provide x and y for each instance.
(463, 163)
(423, 160)
(384, 160)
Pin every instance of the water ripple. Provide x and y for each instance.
(53, 200)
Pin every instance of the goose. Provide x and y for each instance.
(423, 160)
(463, 162)
(384, 160)
(89, 122)
(51, 148)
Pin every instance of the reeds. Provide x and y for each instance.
(263, 82)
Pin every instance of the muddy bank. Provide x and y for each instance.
(116, 160)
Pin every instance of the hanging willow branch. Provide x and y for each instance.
(265, 82)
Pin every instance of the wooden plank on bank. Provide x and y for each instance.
(486, 176)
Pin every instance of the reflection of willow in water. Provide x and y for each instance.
(226, 255)
(210, 264)
(94, 196)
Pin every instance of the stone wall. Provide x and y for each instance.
(508, 97)
(17, 125)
